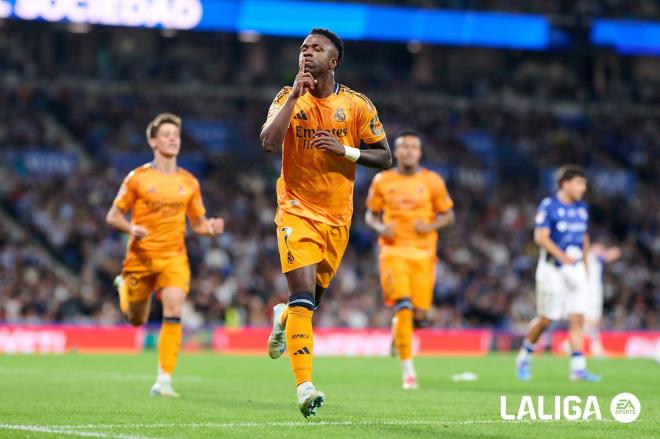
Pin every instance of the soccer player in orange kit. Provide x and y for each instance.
(159, 196)
(319, 125)
(407, 206)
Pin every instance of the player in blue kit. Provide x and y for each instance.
(562, 281)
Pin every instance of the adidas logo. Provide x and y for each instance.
(302, 351)
(301, 115)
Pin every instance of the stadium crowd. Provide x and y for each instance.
(618, 8)
(494, 141)
(486, 261)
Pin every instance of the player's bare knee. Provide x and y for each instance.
(576, 320)
(172, 299)
(173, 308)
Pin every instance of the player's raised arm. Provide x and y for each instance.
(196, 213)
(372, 134)
(117, 219)
(279, 114)
(377, 155)
(543, 240)
(207, 226)
(375, 222)
(443, 206)
(116, 216)
(442, 220)
(374, 215)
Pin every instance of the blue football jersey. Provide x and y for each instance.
(567, 223)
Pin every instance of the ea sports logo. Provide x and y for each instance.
(625, 407)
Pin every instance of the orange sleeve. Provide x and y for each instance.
(277, 104)
(195, 208)
(370, 129)
(375, 199)
(127, 193)
(442, 202)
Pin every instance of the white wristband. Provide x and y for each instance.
(352, 154)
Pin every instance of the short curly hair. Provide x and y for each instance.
(334, 39)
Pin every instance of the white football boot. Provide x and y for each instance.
(277, 338)
(163, 386)
(309, 399)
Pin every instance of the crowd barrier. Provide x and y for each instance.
(57, 339)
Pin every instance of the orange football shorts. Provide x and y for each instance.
(302, 242)
(408, 278)
(146, 276)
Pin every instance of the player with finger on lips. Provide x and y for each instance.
(319, 126)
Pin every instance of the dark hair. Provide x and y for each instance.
(408, 132)
(334, 39)
(569, 172)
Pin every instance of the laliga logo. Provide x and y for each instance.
(570, 409)
(625, 408)
(172, 14)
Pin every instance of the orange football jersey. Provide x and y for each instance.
(160, 202)
(317, 184)
(405, 200)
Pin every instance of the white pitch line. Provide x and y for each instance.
(100, 374)
(385, 423)
(66, 430)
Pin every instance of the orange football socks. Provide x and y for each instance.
(169, 343)
(403, 331)
(299, 336)
(123, 297)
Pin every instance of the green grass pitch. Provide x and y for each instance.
(224, 396)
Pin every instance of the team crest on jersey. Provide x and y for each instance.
(289, 258)
(152, 190)
(376, 126)
(582, 213)
(182, 190)
(340, 115)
